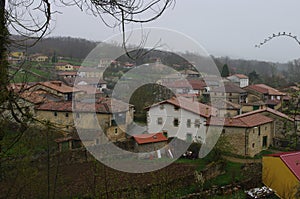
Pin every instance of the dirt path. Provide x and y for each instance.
(241, 160)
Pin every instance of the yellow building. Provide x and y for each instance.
(62, 66)
(39, 58)
(281, 172)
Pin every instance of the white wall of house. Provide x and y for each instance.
(244, 83)
(161, 118)
(240, 82)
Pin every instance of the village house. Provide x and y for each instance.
(87, 72)
(67, 74)
(180, 117)
(97, 83)
(228, 109)
(240, 80)
(63, 66)
(56, 88)
(190, 74)
(38, 58)
(281, 172)
(252, 105)
(271, 96)
(247, 135)
(113, 117)
(150, 142)
(105, 62)
(283, 124)
(230, 92)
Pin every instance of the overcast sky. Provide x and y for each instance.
(223, 27)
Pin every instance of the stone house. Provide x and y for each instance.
(149, 142)
(56, 88)
(282, 123)
(271, 96)
(231, 92)
(101, 116)
(180, 117)
(228, 109)
(247, 135)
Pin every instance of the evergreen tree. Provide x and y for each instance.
(225, 71)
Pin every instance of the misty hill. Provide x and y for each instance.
(79, 48)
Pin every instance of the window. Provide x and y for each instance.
(176, 122)
(265, 141)
(55, 113)
(230, 94)
(223, 131)
(253, 145)
(259, 131)
(165, 133)
(67, 114)
(116, 130)
(188, 123)
(159, 121)
(197, 123)
(266, 127)
(77, 115)
(176, 108)
(189, 137)
(161, 107)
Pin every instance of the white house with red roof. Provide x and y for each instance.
(240, 79)
(180, 117)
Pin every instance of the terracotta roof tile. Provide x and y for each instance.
(104, 105)
(262, 88)
(245, 121)
(241, 76)
(58, 86)
(229, 88)
(191, 105)
(270, 110)
(149, 138)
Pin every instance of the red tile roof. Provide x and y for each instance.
(291, 160)
(262, 88)
(149, 138)
(241, 76)
(57, 85)
(245, 121)
(229, 88)
(104, 105)
(197, 84)
(191, 105)
(278, 113)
